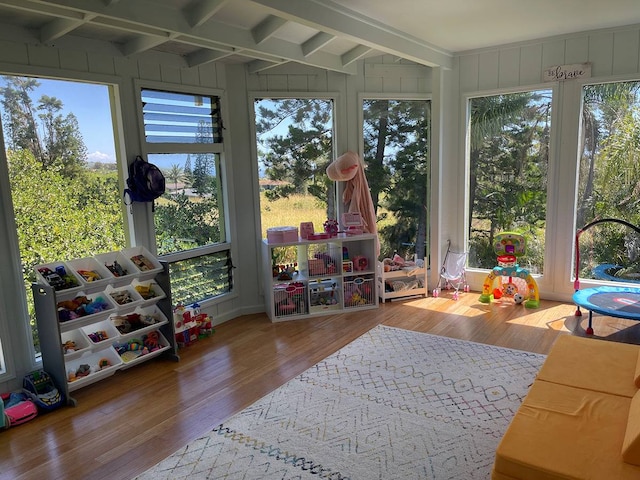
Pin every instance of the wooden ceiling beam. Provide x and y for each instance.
(201, 11)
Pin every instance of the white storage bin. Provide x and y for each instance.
(130, 358)
(78, 340)
(121, 267)
(125, 297)
(101, 333)
(147, 265)
(52, 274)
(94, 275)
(64, 310)
(149, 291)
(324, 295)
(99, 365)
(141, 320)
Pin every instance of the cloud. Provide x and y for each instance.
(100, 157)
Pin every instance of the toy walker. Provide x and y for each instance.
(508, 280)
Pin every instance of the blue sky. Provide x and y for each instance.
(90, 104)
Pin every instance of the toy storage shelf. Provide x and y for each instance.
(101, 339)
(310, 278)
(401, 283)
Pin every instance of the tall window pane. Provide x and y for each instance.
(609, 181)
(508, 169)
(63, 174)
(184, 139)
(397, 154)
(294, 140)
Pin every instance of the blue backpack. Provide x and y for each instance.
(145, 183)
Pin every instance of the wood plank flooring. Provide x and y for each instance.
(130, 421)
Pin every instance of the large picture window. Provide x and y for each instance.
(60, 152)
(294, 143)
(397, 154)
(609, 182)
(508, 158)
(183, 134)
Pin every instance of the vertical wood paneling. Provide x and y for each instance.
(13, 53)
(101, 63)
(469, 68)
(409, 85)
(391, 84)
(209, 76)
(373, 85)
(126, 67)
(319, 82)
(277, 82)
(298, 83)
(74, 60)
(43, 56)
(531, 64)
(189, 76)
(601, 54)
(489, 64)
(553, 53)
(149, 70)
(625, 52)
(170, 74)
(576, 50)
(509, 67)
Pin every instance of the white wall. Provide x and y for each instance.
(104, 64)
(614, 54)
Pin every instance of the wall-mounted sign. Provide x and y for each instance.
(560, 73)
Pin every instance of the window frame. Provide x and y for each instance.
(477, 275)
(404, 97)
(217, 149)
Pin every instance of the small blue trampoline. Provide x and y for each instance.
(613, 301)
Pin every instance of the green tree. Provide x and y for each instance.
(302, 156)
(60, 146)
(509, 138)
(175, 175)
(397, 155)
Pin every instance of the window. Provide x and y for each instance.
(609, 181)
(397, 154)
(183, 134)
(294, 139)
(62, 170)
(508, 158)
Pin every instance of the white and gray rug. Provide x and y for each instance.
(393, 404)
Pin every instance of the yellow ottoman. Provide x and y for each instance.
(597, 365)
(563, 432)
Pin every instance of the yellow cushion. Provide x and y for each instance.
(563, 432)
(598, 365)
(631, 443)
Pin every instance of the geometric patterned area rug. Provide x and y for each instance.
(393, 404)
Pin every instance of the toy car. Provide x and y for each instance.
(43, 392)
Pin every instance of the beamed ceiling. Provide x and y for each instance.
(326, 34)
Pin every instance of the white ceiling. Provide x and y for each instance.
(328, 34)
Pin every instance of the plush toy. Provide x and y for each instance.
(349, 168)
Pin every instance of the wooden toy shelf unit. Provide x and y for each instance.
(318, 277)
(101, 314)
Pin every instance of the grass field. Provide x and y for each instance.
(292, 211)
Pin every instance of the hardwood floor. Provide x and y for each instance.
(130, 421)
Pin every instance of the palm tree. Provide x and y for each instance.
(175, 175)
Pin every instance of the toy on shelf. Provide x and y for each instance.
(511, 281)
(331, 227)
(289, 299)
(358, 292)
